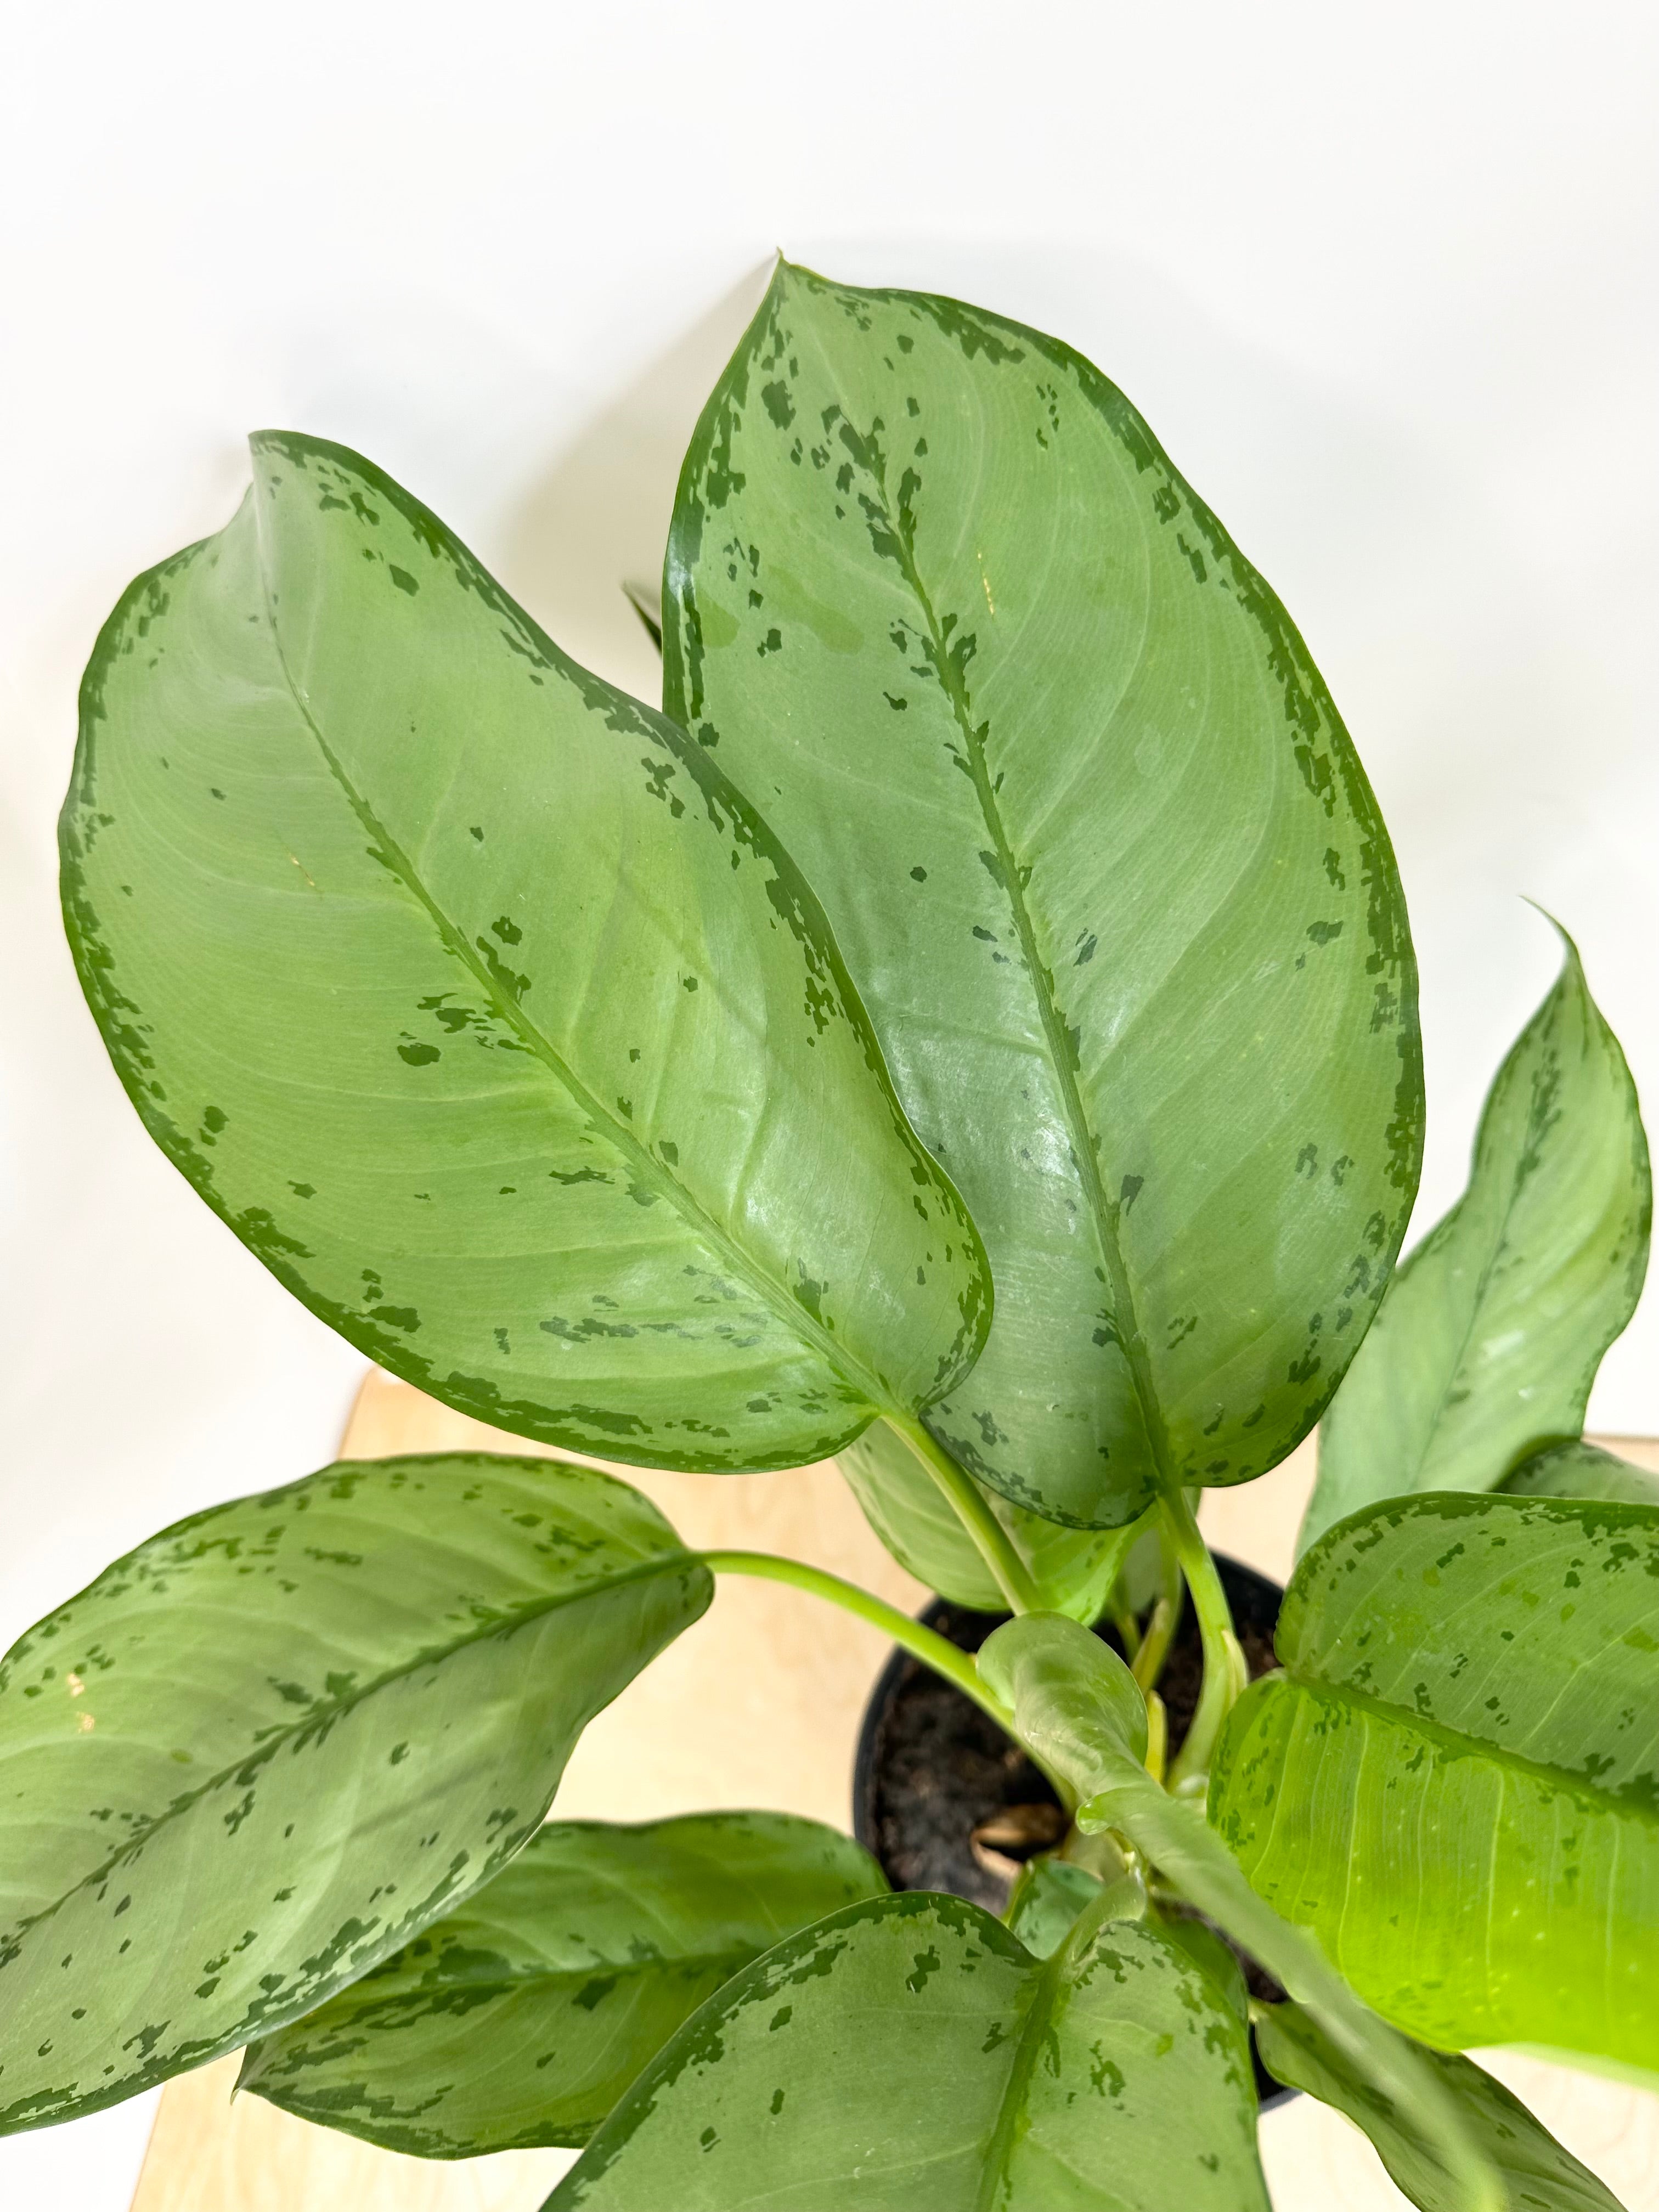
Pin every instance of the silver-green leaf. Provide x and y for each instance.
(521, 2018)
(1491, 1331)
(269, 1747)
(1455, 1782)
(1582, 1470)
(484, 1009)
(911, 2052)
(1101, 857)
(1538, 2175)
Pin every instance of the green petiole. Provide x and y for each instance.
(1224, 1671)
(914, 1636)
(1153, 1648)
(971, 1507)
(925, 1644)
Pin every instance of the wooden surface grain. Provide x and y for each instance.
(759, 1703)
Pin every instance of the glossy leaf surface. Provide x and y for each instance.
(1491, 1331)
(1456, 1782)
(911, 2052)
(1537, 2175)
(1073, 1569)
(1076, 1704)
(522, 2018)
(484, 1009)
(1582, 1470)
(263, 1750)
(1102, 859)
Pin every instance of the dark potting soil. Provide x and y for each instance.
(943, 1800)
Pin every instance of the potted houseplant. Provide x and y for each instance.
(973, 1029)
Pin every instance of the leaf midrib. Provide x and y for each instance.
(783, 1306)
(1465, 1746)
(1079, 1134)
(321, 1714)
(994, 2172)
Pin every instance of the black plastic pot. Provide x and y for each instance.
(943, 1800)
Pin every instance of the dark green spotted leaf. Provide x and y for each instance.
(1492, 1332)
(1537, 2175)
(1582, 1470)
(1456, 1781)
(483, 1007)
(521, 2018)
(1073, 1569)
(269, 1747)
(1102, 859)
(1212, 1956)
(911, 2052)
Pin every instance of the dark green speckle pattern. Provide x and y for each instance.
(1101, 857)
(484, 1009)
(910, 2052)
(522, 2018)
(267, 1747)
(1489, 1336)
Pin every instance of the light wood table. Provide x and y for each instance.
(759, 1703)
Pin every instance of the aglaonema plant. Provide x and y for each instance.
(971, 1029)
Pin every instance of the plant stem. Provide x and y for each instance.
(1224, 1671)
(972, 1508)
(922, 1643)
(1154, 1648)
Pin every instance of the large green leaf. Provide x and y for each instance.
(1100, 858)
(1537, 2175)
(1582, 1470)
(911, 2053)
(1490, 1334)
(264, 1749)
(1456, 1782)
(521, 2018)
(1073, 1569)
(484, 1009)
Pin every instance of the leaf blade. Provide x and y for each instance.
(1582, 1470)
(930, 1994)
(1537, 2175)
(266, 1748)
(1477, 1843)
(600, 1151)
(521, 2020)
(987, 638)
(1491, 1331)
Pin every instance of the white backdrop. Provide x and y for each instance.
(1381, 277)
